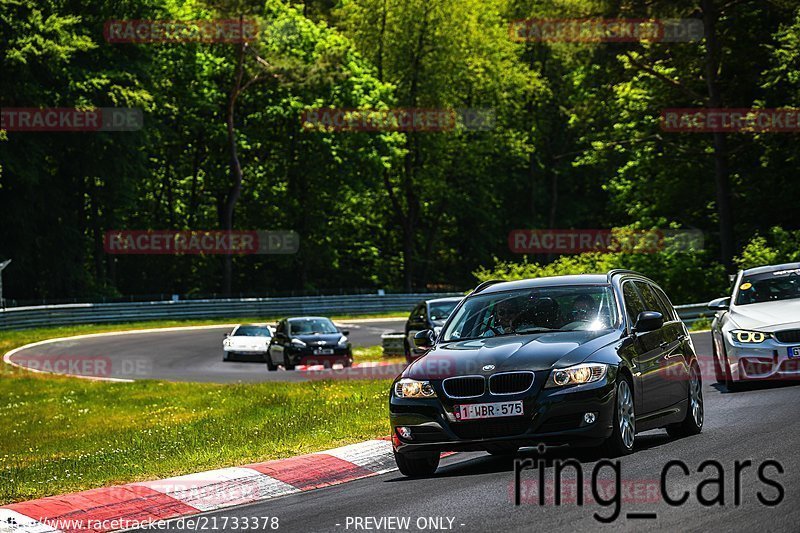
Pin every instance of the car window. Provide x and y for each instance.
(670, 314)
(312, 326)
(439, 311)
(416, 313)
(633, 303)
(651, 301)
(252, 331)
(769, 286)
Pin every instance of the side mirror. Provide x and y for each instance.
(226, 335)
(424, 339)
(345, 332)
(720, 304)
(648, 321)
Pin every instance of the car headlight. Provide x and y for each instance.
(298, 343)
(343, 340)
(411, 388)
(226, 343)
(749, 337)
(577, 375)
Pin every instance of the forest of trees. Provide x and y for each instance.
(576, 142)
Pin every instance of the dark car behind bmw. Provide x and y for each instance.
(309, 340)
(583, 360)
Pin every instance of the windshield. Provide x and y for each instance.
(539, 310)
(252, 331)
(440, 311)
(769, 287)
(312, 326)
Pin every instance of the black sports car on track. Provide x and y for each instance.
(584, 360)
(309, 340)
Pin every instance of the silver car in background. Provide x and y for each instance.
(756, 331)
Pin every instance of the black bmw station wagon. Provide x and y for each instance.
(583, 360)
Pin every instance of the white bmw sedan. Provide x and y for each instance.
(756, 331)
(247, 341)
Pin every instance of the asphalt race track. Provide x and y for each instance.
(190, 355)
(476, 492)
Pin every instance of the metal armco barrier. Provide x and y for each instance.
(58, 315)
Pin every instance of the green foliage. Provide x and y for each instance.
(782, 246)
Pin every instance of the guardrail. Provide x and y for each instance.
(59, 315)
(691, 313)
(361, 304)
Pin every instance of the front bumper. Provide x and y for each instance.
(306, 356)
(551, 416)
(768, 360)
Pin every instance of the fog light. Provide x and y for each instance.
(404, 432)
(589, 418)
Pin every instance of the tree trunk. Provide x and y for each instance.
(721, 170)
(235, 189)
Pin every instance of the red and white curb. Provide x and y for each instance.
(337, 366)
(140, 504)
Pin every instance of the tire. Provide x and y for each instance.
(623, 437)
(692, 424)
(286, 364)
(718, 373)
(271, 367)
(731, 385)
(417, 464)
(225, 356)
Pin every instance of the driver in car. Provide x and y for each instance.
(505, 311)
(584, 309)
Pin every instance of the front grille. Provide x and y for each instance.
(788, 335)
(510, 383)
(489, 429)
(464, 387)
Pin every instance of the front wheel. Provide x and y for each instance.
(693, 423)
(417, 464)
(286, 363)
(270, 365)
(623, 436)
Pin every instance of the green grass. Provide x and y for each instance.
(701, 324)
(374, 353)
(63, 434)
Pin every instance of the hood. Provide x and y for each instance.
(249, 342)
(314, 340)
(768, 316)
(541, 351)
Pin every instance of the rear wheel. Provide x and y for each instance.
(417, 464)
(693, 422)
(623, 436)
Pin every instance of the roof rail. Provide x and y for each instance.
(615, 271)
(485, 284)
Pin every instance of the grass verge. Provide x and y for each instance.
(63, 434)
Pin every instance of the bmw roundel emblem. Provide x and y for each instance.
(487, 368)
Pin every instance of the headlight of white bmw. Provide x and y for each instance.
(577, 375)
(745, 336)
(411, 388)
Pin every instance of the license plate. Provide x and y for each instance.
(476, 411)
(794, 352)
(323, 351)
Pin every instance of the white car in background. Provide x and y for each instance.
(756, 331)
(249, 341)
